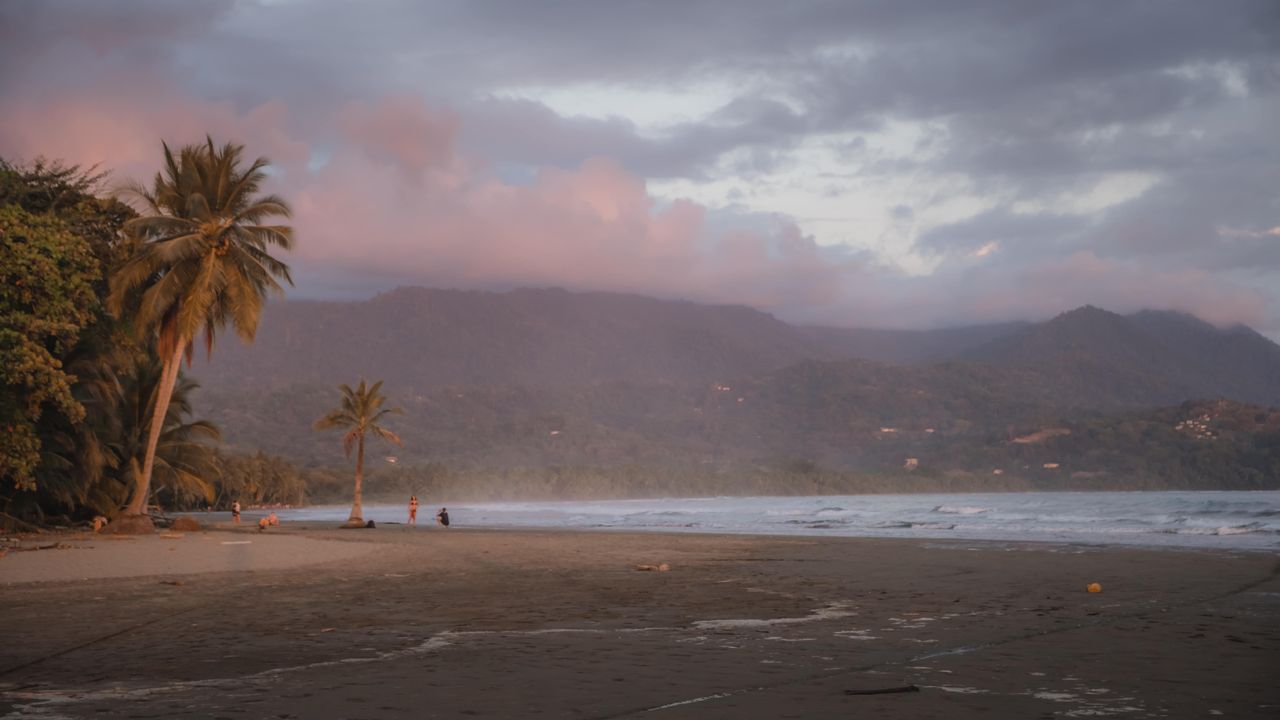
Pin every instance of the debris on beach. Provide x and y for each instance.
(52, 546)
(185, 524)
(662, 567)
(1094, 587)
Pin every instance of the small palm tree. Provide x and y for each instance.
(202, 262)
(359, 415)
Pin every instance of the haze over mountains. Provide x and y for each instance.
(554, 379)
(419, 339)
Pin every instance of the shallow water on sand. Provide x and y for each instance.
(1210, 520)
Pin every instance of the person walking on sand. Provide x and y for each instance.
(413, 509)
(442, 517)
(235, 512)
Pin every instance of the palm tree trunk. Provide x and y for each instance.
(357, 509)
(168, 378)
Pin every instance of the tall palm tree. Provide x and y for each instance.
(359, 415)
(203, 260)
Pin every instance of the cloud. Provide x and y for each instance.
(416, 150)
(590, 227)
(401, 132)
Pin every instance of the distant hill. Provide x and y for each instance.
(419, 339)
(1242, 363)
(545, 379)
(906, 347)
(957, 422)
(1097, 359)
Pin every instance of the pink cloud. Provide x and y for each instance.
(592, 227)
(397, 198)
(121, 130)
(401, 132)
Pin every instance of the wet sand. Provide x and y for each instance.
(314, 622)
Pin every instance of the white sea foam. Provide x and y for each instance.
(1228, 520)
(956, 689)
(960, 510)
(830, 612)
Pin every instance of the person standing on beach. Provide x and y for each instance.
(442, 517)
(235, 512)
(413, 509)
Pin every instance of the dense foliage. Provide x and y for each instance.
(802, 429)
(46, 300)
(76, 392)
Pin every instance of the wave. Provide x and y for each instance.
(934, 526)
(960, 509)
(1247, 529)
(824, 521)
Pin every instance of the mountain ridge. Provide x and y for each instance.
(551, 379)
(422, 338)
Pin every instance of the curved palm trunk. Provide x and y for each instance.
(357, 509)
(168, 379)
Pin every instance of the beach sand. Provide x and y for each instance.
(397, 622)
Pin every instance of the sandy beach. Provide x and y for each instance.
(307, 621)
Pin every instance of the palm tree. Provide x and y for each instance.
(359, 415)
(77, 468)
(185, 463)
(202, 261)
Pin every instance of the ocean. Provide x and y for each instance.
(1209, 520)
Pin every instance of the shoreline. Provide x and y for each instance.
(1218, 520)
(58, 556)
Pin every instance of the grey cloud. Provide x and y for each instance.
(1019, 234)
(526, 131)
(1024, 101)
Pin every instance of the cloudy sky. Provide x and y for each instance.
(875, 164)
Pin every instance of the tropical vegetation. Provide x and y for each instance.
(97, 306)
(203, 261)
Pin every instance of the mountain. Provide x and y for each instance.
(533, 380)
(1098, 359)
(906, 347)
(1242, 362)
(418, 338)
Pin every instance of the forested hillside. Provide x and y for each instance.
(545, 383)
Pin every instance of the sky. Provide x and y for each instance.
(850, 163)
